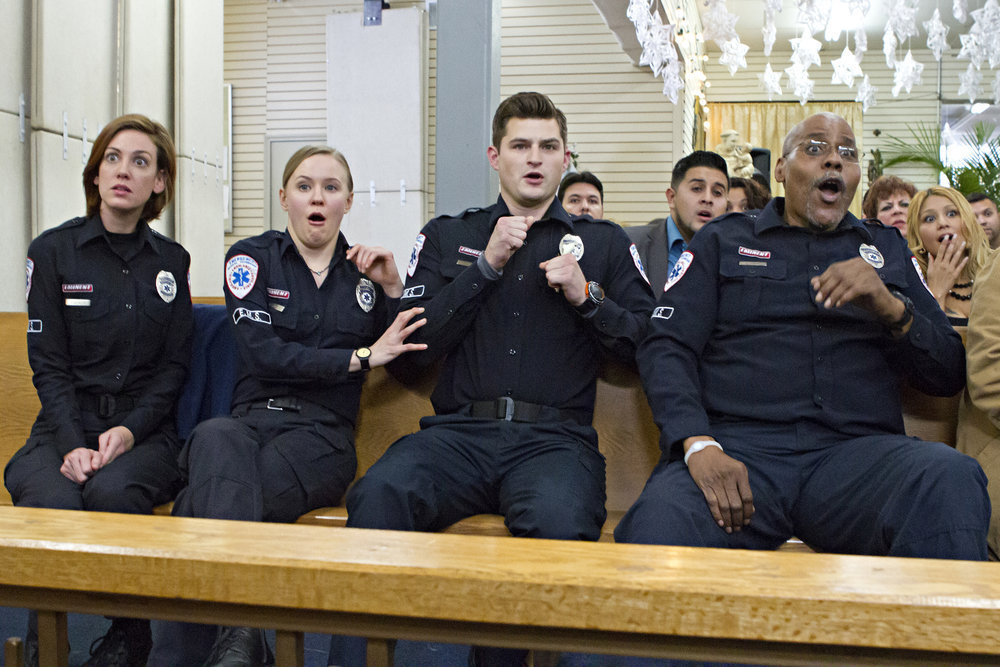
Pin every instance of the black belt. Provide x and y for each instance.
(105, 405)
(282, 404)
(519, 411)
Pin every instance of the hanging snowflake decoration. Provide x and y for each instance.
(799, 83)
(902, 19)
(770, 34)
(814, 15)
(960, 10)
(734, 55)
(771, 82)
(672, 81)
(866, 94)
(718, 24)
(937, 33)
(972, 49)
(846, 68)
(986, 24)
(805, 50)
(907, 74)
(889, 47)
(970, 83)
(860, 43)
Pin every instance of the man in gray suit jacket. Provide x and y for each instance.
(699, 184)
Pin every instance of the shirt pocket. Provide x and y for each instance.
(752, 287)
(284, 316)
(88, 324)
(354, 326)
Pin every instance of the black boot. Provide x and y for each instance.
(240, 647)
(126, 644)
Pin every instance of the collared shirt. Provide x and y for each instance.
(514, 335)
(101, 322)
(675, 243)
(738, 335)
(296, 339)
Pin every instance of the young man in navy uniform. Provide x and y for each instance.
(772, 368)
(521, 301)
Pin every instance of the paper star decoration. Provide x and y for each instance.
(814, 15)
(771, 82)
(734, 55)
(718, 24)
(902, 19)
(860, 43)
(937, 33)
(985, 27)
(770, 34)
(972, 49)
(805, 49)
(866, 94)
(889, 47)
(845, 68)
(996, 89)
(959, 9)
(970, 83)
(799, 83)
(907, 74)
(672, 81)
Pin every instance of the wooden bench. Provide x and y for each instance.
(389, 410)
(701, 604)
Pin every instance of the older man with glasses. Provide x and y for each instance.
(773, 366)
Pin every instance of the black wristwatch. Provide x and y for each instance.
(897, 327)
(364, 356)
(595, 293)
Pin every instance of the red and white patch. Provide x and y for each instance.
(680, 268)
(241, 275)
(638, 262)
(29, 271)
(77, 288)
(916, 267)
(418, 245)
(751, 252)
(471, 252)
(277, 293)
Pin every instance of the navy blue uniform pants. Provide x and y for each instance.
(546, 479)
(258, 465)
(875, 495)
(134, 483)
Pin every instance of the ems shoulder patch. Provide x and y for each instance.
(261, 316)
(663, 312)
(29, 270)
(638, 262)
(241, 275)
(413, 292)
(418, 245)
(680, 268)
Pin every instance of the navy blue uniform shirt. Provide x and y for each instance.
(101, 323)
(294, 338)
(738, 335)
(516, 336)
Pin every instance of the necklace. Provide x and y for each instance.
(960, 297)
(318, 273)
(963, 285)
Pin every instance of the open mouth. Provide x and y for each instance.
(704, 215)
(534, 176)
(316, 217)
(947, 237)
(831, 189)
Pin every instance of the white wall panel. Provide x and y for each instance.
(73, 63)
(15, 52)
(388, 223)
(147, 82)
(198, 215)
(15, 217)
(56, 183)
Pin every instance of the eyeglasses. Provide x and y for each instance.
(818, 149)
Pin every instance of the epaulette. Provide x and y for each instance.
(262, 240)
(69, 224)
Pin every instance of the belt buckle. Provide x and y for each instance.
(508, 407)
(272, 406)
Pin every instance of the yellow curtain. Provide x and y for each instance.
(765, 124)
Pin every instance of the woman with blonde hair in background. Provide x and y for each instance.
(949, 246)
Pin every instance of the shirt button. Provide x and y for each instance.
(316, 316)
(520, 276)
(118, 376)
(509, 392)
(512, 352)
(517, 313)
(818, 398)
(819, 358)
(125, 271)
(475, 285)
(128, 306)
(815, 267)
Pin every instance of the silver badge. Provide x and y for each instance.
(571, 245)
(871, 255)
(365, 292)
(166, 286)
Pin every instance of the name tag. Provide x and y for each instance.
(77, 302)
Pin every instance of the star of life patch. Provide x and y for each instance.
(34, 326)
(638, 262)
(570, 244)
(418, 245)
(663, 312)
(365, 294)
(29, 271)
(680, 268)
(413, 292)
(241, 275)
(261, 316)
(871, 254)
(166, 286)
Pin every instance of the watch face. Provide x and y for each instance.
(363, 353)
(595, 292)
